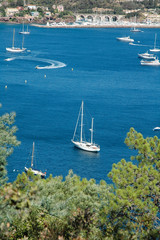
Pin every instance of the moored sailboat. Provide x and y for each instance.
(23, 31)
(81, 143)
(34, 171)
(155, 49)
(16, 49)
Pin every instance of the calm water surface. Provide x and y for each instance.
(117, 91)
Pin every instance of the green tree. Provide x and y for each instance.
(136, 207)
(8, 141)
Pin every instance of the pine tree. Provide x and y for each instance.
(8, 141)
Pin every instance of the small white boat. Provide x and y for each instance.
(82, 144)
(23, 31)
(155, 62)
(156, 129)
(14, 49)
(148, 56)
(125, 39)
(155, 49)
(34, 171)
(135, 30)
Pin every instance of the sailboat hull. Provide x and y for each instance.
(86, 146)
(154, 50)
(36, 172)
(25, 33)
(16, 50)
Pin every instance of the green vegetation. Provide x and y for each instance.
(74, 208)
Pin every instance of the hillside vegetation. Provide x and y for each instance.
(87, 5)
(70, 208)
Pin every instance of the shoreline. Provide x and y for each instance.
(98, 26)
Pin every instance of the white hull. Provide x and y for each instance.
(125, 39)
(135, 30)
(36, 172)
(150, 63)
(154, 50)
(147, 56)
(25, 33)
(86, 146)
(16, 50)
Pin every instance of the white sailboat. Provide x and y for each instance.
(36, 172)
(16, 49)
(134, 29)
(82, 144)
(155, 49)
(23, 31)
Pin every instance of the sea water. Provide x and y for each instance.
(79, 64)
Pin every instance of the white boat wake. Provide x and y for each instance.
(53, 63)
(9, 59)
(140, 45)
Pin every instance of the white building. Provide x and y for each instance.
(10, 12)
(32, 7)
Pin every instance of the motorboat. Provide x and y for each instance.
(80, 142)
(125, 39)
(147, 56)
(156, 129)
(155, 62)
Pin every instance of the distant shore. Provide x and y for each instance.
(99, 26)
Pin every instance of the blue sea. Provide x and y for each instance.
(86, 64)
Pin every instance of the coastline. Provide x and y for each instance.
(99, 26)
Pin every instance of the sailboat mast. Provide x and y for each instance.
(92, 131)
(32, 155)
(81, 122)
(22, 41)
(13, 38)
(155, 40)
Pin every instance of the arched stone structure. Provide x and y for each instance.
(98, 17)
(89, 18)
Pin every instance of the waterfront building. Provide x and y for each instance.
(10, 12)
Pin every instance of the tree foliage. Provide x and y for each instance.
(8, 141)
(75, 208)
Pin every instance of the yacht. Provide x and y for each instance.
(14, 49)
(147, 56)
(80, 142)
(125, 39)
(155, 62)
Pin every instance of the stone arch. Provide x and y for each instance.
(81, 18)
(107, 19)
(114, 18)
(89, 18)
(98, 19)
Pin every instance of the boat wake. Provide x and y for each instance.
(53, 63)
(138, 44)
(9, 59)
